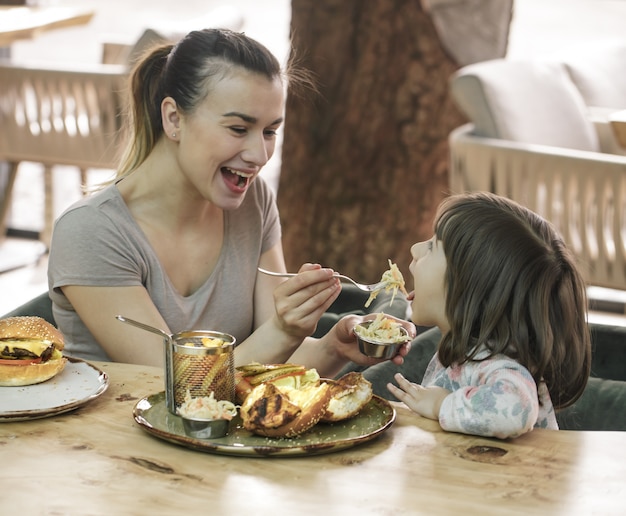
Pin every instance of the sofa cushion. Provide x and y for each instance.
(601, 407)
(524, 101)
(608, 348)
(599, 73)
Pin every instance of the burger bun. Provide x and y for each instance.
(31, 334)
(31, 328)
(20, 375)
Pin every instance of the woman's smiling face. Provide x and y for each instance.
(226, 141)
(428, 300)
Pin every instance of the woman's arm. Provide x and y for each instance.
(97, 308)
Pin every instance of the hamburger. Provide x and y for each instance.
(30, 351)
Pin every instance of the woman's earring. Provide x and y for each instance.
(173, 135)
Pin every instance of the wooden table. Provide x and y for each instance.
(28, 22)
(97, 460)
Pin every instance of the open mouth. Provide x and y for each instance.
(235, 177)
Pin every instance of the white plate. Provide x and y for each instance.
(78, 383)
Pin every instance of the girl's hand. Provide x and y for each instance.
(425, 401)
(347, 347)
(301, 301)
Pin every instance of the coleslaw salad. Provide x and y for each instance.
(206, 407)
(382, 329)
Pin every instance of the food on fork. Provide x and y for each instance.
(30, 351)
(391, 279)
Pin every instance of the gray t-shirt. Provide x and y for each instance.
(97, 242)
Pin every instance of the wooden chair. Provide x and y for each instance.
(70, 116)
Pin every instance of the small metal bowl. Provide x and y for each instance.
(205, 428)
(377, 348)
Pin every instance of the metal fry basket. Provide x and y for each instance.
(199, 362)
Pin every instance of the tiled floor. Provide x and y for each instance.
(538, 27)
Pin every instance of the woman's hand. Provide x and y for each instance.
(425, 401)
(301, 301)
(286, 311)
(331, 352)
(347, 347)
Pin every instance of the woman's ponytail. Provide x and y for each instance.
(144, 108)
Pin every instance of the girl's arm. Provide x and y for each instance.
(495, 398)
(425, 401)
(501, 402)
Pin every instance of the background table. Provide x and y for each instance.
(27, 22)
(97, 460)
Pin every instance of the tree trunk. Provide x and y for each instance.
(365, 162)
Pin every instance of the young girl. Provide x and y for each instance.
(504, 290)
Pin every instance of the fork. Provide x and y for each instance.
(366, 288)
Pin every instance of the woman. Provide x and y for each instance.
(176, 241)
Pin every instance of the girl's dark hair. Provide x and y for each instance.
(185, 72)
(512, 285)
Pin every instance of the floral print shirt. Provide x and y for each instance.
(495, 397)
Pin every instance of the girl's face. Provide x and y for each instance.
(226, 141)
(428, 300)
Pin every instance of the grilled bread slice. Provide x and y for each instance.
(348, 395)
(273, 411)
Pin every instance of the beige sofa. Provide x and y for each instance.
(539, 133)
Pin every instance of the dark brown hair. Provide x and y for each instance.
(186, 72)
(513, 286)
